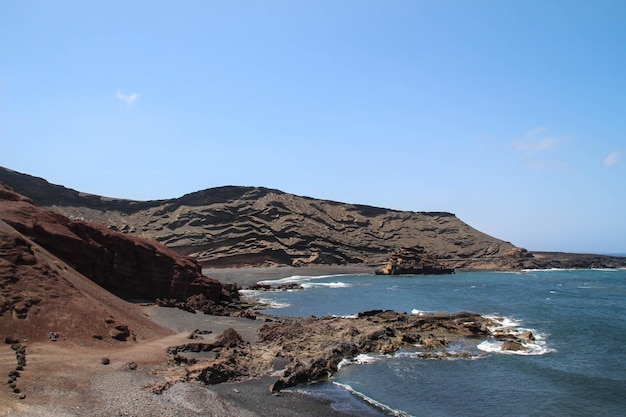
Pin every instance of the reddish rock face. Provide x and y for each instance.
(128, 266)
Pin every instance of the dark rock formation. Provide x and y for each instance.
(562, 260)
(307, 350)
(413, 261)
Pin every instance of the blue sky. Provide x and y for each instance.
(510, 114)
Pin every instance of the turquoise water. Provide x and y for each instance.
(578, 368)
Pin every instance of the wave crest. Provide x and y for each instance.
(527, 342)
(385, 408)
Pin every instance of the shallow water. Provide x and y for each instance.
(578, 368)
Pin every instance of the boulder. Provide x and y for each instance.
(120, 332)
(413, 261)
(512, 346)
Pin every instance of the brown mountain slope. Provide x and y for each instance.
(128, 266)
(40, 294)
(235, 226)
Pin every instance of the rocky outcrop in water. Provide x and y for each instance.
(302, 350)
(413, 261)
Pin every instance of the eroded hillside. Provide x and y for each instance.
(234, 226)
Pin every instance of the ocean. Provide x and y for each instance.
(577, 367)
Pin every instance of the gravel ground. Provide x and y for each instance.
(83, 387)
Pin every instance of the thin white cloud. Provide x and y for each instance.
(535, 141)
(535, 164)
(538, 149)
(612, 159)
(126, 98)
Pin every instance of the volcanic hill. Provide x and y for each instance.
(236, 226)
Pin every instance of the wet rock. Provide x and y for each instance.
(512, 346)
(526, 336)
(310, 349)
(429, 341)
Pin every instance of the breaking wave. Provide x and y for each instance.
(385, 408)
(274, 303)
(294, 279)
(326, 284)
(361, 359)
(534, 342)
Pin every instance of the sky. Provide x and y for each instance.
(509, 114)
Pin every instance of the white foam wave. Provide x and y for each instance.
(385, 408)
(417, 312)
(326, 284)
(274, 303)
(361, 359)
(294, 279)
(506, 325)
(349, 316)
(365, 358)
(249, 293)
(530, 349)
(287, 280)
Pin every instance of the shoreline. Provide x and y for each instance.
(97, 390)
(246, 276)
(250, 398)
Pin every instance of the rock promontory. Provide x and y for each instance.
(413, 261)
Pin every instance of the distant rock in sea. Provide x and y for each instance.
(413, 261)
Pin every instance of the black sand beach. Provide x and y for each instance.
(241, 399)
(247, 276)
(253, 396)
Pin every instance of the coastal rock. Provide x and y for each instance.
(512, 346)
(413, 261)
(290, 286)
(311, 349)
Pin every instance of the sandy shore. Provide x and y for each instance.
(251, 275)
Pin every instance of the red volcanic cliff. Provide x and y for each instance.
(128, 266)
